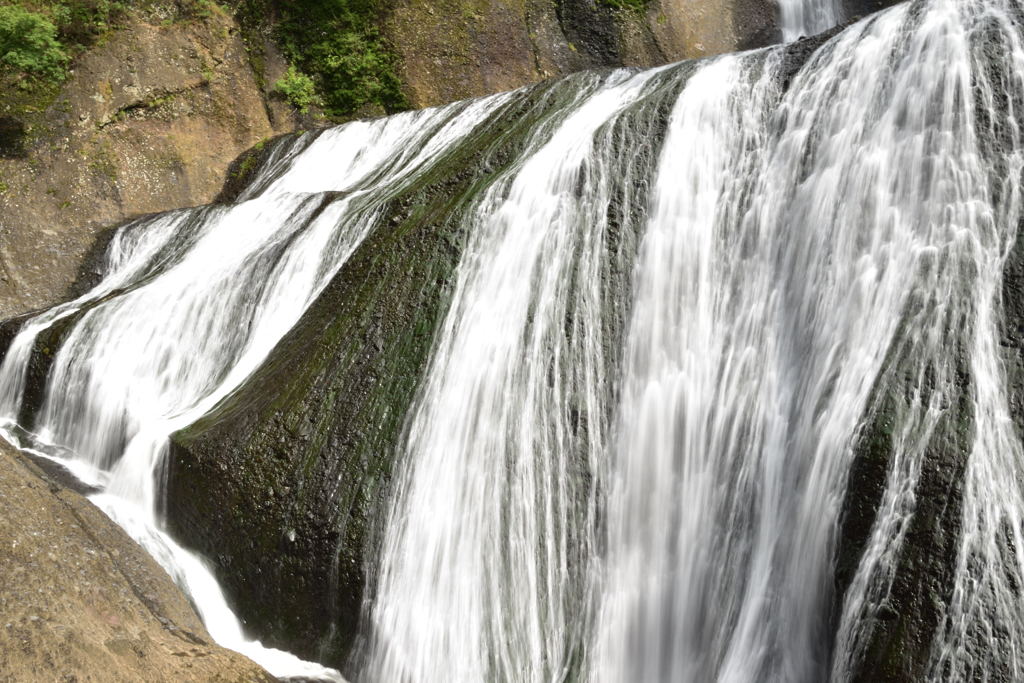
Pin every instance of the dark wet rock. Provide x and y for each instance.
(862, 8)
(12, 137)
(592, 27)
(242, 172)
(902, 627)
(756, 24)
(899, 631)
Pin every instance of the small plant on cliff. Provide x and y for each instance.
(356, 69)
(298, 89)
(28, 44)
(632, 5)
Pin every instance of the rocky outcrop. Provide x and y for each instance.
(81, 601)
(453, 49)
(903, 626)
(149, 120)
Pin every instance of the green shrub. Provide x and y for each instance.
(28, 44)
(298, 89)
(337, 44)
(354, 69)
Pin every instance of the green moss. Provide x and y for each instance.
(247, 166)
(630, 5)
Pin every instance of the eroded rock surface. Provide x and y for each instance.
(453, 49)
(79, 600)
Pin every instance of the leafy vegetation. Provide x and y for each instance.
(337, 44)
(28, 44)
(341, 61)
(298, 89)
(38, 38)
(82, 22)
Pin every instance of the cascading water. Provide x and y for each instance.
(756, 342)
(679, 309)
(475, 500)
(972, 132)
(192, 303)
(798, 18)
(782, 259)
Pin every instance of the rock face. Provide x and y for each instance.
(81, 601)
(903, 627)
(453, 49)
(150, 120)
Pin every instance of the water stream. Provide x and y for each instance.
(679, 308)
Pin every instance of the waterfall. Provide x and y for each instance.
(792, 243)
(972, 132)
(799, 18)
(518, 371)
(191, 304)
(759, 332)
(692, 305)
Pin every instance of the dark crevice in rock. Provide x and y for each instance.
(857, 9)
(12, 138)
(152, 102)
